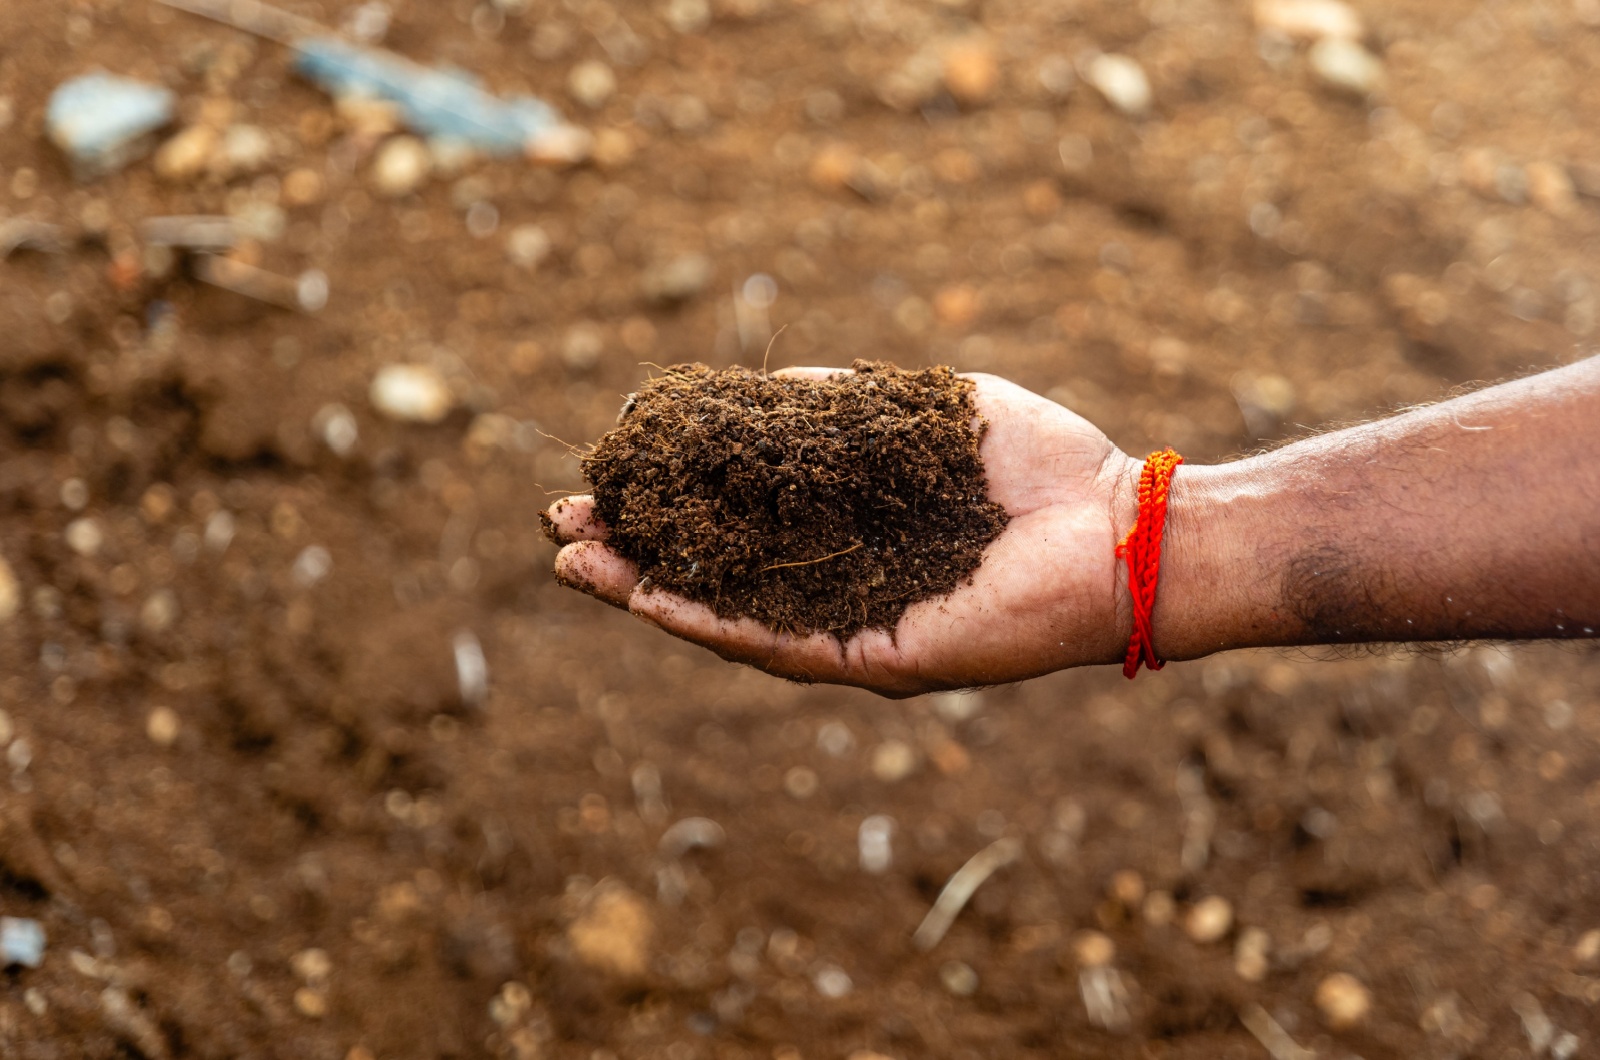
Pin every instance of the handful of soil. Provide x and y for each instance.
(807, 505)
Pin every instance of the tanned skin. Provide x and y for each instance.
(1476, 518)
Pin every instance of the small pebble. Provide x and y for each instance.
(402, 165)
(614, 934)
(337, 427)
(311, 566)
(592, 83)
(1343, 1001)
(832, 981)
(676, 280)
(1346, 66)
(312, 965)
(875, 842)
(958, 978)
(84, 536)
(162, 726)
(1209, 920)
(244, 150)
(1093, 949)
(971, 71)
(1122, 82)
(893, 760)
(10, 592)
(1127, 888)
(183, 157)
(528, 246)
(1250, 954)
(312, 1004)
(74, 494)
(1309, 19)
(411, 393)
(159, 611)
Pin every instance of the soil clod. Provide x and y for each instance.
(810, 505)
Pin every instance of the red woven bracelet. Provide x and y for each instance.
(1142, 550)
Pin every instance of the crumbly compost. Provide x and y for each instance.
(808, 505)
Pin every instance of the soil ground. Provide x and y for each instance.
(259, 813)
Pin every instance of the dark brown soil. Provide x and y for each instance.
(334, 855)
(809, 505)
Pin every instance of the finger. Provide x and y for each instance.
(592, 568)
(816, 657)
(820, 375)
(572, 519)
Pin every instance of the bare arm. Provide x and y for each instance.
(1475, 518)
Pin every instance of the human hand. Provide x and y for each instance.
(1045, 597)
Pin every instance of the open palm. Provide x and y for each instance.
(1045, 596)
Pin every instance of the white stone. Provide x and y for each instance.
(592, 83)
(84, 536)
(1346, 66)
(1309, 19)
(245, 149)
(528, 245)
(1122, 82)
(401, 167)
(338, 428)
(411, 393)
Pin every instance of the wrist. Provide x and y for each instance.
(1216, 591)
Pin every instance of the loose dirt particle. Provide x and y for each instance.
(1127, 888)
(1093, 949)
(1250, 955)
(893, 760)
(614, 934)
(1209, 920)
(162, 726)
(1343, 1001)
(808, 505)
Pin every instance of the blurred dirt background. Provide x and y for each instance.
(257, 791)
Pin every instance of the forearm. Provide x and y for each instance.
(1475, 518)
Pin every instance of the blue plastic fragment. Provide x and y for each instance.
(440, 103)
(103, 122)
(21, 942)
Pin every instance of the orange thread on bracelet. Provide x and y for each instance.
(1142, 551)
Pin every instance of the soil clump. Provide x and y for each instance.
(810, 505)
